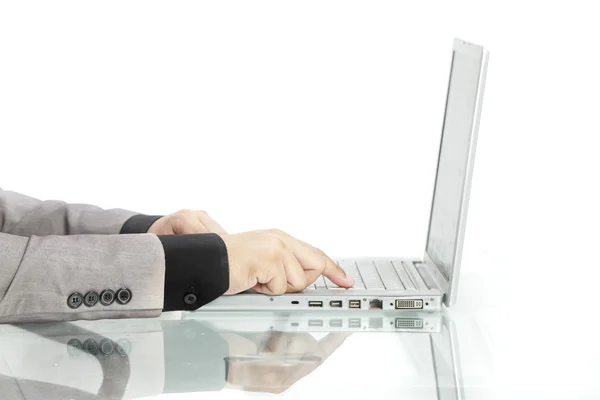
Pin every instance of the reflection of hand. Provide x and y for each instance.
(274, 361)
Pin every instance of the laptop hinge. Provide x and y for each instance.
(436, 274)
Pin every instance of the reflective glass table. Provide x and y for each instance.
(478, 352)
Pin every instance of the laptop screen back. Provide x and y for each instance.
(448, 212)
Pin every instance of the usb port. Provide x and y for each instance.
(315, 322)
(315, 304)
(335, 304)
(354, 323)
(335, 323)
(354, 304)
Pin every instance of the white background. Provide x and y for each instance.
(321, 118)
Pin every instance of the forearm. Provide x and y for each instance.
(26, 216)
(39, 275)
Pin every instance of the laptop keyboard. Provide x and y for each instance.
(370, 275)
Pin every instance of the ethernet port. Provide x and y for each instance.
(375, 304)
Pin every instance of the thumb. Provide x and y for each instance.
(189, 226)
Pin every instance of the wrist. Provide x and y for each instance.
(139, 223)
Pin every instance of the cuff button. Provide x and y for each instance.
(90, 299)
(107, 347)
(190, 299)
(123, 296)
(74, 347)
(75, 300)
(91, 347)
(107, 297)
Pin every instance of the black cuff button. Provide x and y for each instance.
(123, 347)
(75, 300)
(124, 296)
(190, 299)
(90, 347)
(90, 299)
(107, 297)
(74, 347)
(107, 347)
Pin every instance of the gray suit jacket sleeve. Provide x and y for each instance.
(25, 216)
(40, 266)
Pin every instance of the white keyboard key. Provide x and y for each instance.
(320, 283)
(388, 275)
(399, 267)
(352, 272)
(330, 284)
(370, 276)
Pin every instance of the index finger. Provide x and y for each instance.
(336, 274)
(315, 262)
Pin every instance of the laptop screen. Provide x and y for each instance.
(444, 239)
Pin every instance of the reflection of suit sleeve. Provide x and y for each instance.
(110, 359)
(194, 357)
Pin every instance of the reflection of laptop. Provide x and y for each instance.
(429, 337)
(321, 321)
(405, 283)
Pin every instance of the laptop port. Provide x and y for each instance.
(315, 322)
(409, 304)
(315, 304)
(335, 323)
(375, 304)
(335, 304)
(409, 323)
(354, 304)
(375, 323)
(354, 323)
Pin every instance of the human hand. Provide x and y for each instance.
(273, 262)
(272, 362)
(186, 222)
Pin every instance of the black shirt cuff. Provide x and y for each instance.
(197, 270)
(139, 223)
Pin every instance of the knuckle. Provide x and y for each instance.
(273, 255)
(277, 232)
(277, 244)
(183, 213)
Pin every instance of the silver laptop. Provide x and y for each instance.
(405, 283)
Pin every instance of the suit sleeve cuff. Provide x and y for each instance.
(196, 272)
(139, 223)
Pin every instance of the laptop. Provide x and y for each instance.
(404, 283)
